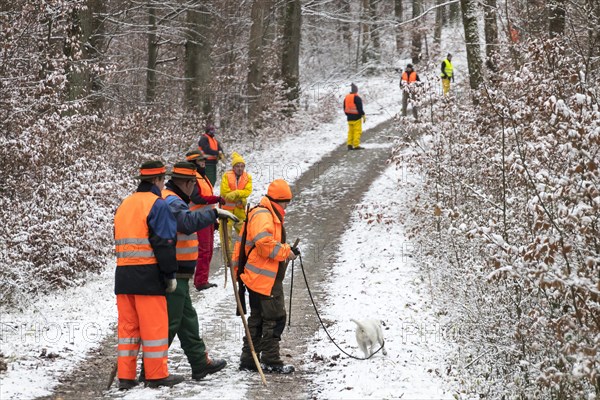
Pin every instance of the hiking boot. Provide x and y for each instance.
(126, 384)
(277, 368)
(211, 367)
(205, 286)
(358, 148)
(349, 147)
(169, 381)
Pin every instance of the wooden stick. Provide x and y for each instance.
(239, 305)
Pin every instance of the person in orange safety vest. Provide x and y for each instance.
(203, 198)
(409, 82)
(353, 108)
(145, 235)
(266, 253)
(213, 149)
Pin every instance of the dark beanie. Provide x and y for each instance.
(353, 88)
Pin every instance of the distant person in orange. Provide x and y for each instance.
(408, 84)
(353, 108)
(145, 237)
(210, 146)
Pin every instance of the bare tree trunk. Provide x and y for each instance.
(469, 15)
(198, 61)
(439, 23)
(365, 33)
(344, 26)
(82, 81)
(454, 16)
(290, 59)
(491, 34)
(556, 26)
(374, 28)
(416, 47)
(152, 55)
(259, 15)
(398, 12)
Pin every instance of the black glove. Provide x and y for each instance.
(296, 251)
(444, 76)
(217, 226)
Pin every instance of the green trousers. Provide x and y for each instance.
(183, 322)
(211, 173)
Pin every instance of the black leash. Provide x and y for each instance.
(319, 316)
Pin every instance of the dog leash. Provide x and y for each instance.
(321, 321)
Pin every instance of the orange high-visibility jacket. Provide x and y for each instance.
(213, 144)
(409, 78)
(132, 237)
(264, 232)
(234, 184)
(205, 188)
(187, 245)
(349, 105)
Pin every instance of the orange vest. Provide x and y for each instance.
(263, 262)
(235, 184)
(132, 234)
(204, 188)
(187, 245)
(409, 78)
(349, 105)
(213, 144)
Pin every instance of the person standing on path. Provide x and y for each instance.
(353, 107)
(266, 253)
(447, 74)
(203, 198)
(213, 150)
(145, 234)
(183, 319)
(408, 84)
(236, 186)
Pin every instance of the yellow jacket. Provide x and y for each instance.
(235, 192)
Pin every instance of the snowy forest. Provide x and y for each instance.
(506, 228)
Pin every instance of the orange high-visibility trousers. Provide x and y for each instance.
(143, 320)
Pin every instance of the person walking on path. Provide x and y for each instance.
(183, 319)
(447, 74)
(409, 82)
(210, 146)
(145, 235)
(203, 198)
(236, 186)
(353, 107)
(266, 253)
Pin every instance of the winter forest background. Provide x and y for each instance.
(508, 225)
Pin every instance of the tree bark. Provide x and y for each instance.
(365, 33)
(198, 62)
(556, 25)
(491, 34)
(439, 23)
(469, 16)
(374, 29)
(398, 13)
(152, 55)
(290, 59)
(417, 45)
(259, 15)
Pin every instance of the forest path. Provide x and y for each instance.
(325, 196)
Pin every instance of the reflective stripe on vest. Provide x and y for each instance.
(409, 78)
(132, 244)
(448, 69)
(235, 184)
(187, 245)
(349, 105)
(214, 145)
(205, 188)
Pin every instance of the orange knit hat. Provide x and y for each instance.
(279, 190)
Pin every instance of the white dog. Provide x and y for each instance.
(369, 336)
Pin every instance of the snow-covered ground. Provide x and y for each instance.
(72, 322)
(376, 277)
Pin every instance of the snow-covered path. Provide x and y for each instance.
(71, 323)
